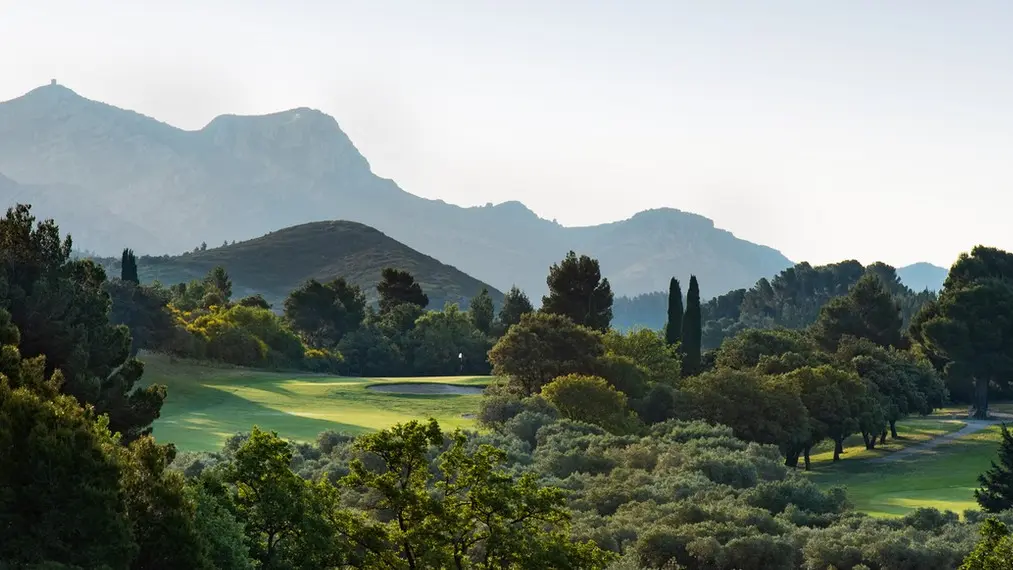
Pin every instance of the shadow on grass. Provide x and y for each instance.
(212, 415)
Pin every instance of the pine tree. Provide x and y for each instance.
(577, 290)
(128, 267)
(673, 329)
(692, 329)
(996, 492)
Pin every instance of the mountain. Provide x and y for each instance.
(922, 276)
(240, 177)
(277, 263)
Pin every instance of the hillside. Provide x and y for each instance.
(240, 177)
(922, 276)
(275, 264)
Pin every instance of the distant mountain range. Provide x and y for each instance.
(922, 276)
(114, 178)
(276, 264)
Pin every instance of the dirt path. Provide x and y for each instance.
(973, 426)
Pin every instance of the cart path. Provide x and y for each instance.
(973, 426)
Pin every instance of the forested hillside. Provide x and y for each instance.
(791, 299)
(276, 264)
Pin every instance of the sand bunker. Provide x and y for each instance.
(426, 389)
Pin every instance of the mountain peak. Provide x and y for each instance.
(52, 92)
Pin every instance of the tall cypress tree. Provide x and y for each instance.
(673, 329)
(128, 266)
(996, 492)
(692, 329)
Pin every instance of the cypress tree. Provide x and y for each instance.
(128, 267)
(673, 328)
(692, 329)
(996, 492)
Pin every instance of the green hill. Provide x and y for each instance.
(275, 264)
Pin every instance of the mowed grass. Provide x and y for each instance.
(912, 432)
(943, 477)
(207, 404)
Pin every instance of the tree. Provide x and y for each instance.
(588, 399)
(128, 267)
(515, 304)
(445, 343)
(692, 329)
(218, 280)
(996, 492)
(673, 328)
(648, 350)
(160, 512)
(468, 513)
(834, 399)
(324, 313)
(289, 522)
(481, 312)
(968, 329)
(144, 311)
(994, 551)
(868, 311)
(256, 301)
(544, 346)
(398, 287)
(756, 407)
(59, 471)
(577, 290)
(62, 311)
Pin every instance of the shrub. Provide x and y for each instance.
(237, 346)
(588, 399)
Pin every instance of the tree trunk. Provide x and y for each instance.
(981, 398)
(838, 448)
(893, 429)
(807, 449)
(882, 437)
(865, 438)
(791, 459)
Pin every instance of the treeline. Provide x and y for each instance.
(850, 373)
(791, 299)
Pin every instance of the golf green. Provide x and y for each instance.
(206, 404)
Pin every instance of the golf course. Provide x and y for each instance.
(209, 403)
(915, 471)
(206, 404)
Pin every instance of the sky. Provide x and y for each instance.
(864, 129)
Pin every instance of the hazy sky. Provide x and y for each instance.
(829, 130)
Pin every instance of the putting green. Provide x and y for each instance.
(207, 404)
(943, 477)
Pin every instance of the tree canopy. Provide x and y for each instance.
(62, 310)
(578, 291)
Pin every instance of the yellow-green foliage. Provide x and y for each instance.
(249, 336)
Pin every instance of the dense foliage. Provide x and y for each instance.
(791, 299)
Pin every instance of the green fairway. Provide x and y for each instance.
(912, 432)
(207, 404)
(944, 477)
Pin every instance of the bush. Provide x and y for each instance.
(237, 346)
(316, 360)
(588, 399)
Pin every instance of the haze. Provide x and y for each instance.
(854, 130)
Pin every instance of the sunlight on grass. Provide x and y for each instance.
(207, 404)
(944, 477)
(911, 431)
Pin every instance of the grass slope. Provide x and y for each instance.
(275, 264)
(944, 477)
(207, 404)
